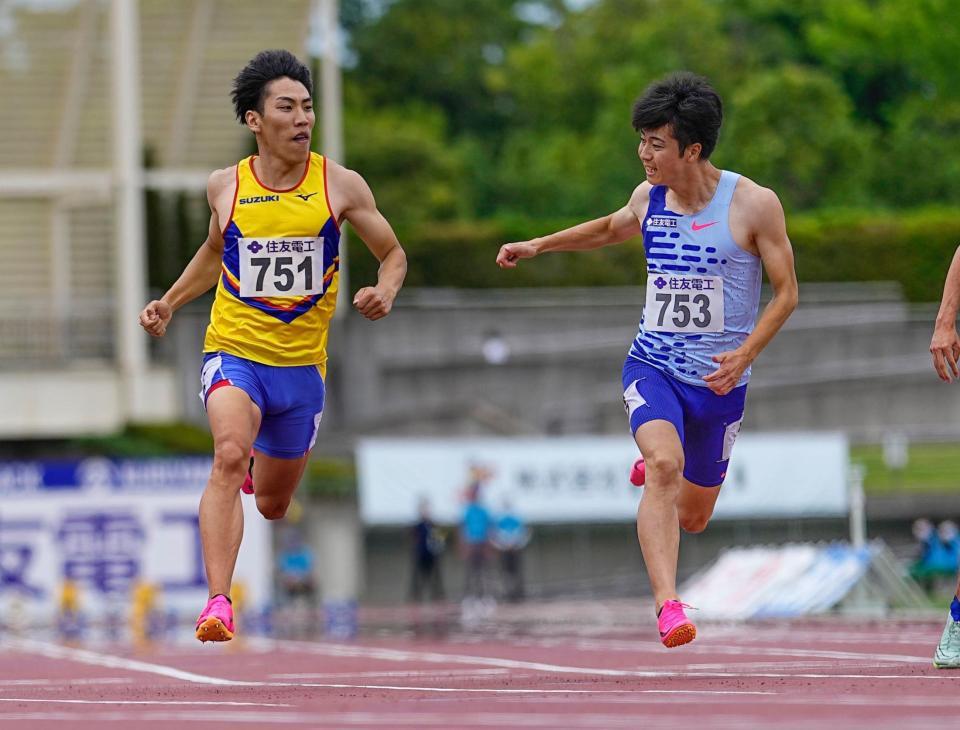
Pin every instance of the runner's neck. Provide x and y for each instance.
(692, 195)
(276, 173)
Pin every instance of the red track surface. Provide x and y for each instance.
(587, 671)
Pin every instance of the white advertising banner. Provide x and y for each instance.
(584, 479)
(108, 525)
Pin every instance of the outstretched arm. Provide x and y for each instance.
(201, 274)
(776, 253)
(359, 208)
(614, 228)
(945, 345)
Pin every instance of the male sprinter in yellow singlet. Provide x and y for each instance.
(272, 251)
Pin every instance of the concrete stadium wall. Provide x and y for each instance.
(852, 358)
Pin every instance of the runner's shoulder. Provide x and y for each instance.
(755, 201)
(348, 186)
(641, 194)
(343, 177)
(640, 199)
(220, 180)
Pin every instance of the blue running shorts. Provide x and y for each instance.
(707, 423)
(290, 400)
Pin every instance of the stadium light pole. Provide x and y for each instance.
(128, 184)
(326, 16)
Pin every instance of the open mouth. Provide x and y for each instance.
(302, 137)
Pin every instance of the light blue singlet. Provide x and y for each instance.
(687, 257)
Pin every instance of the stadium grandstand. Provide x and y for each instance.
(106, 100)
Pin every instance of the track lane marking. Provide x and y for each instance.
(98, 659)
(215, 703)
(84, 656)
(56, 682)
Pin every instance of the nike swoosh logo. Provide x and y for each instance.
(700, 226)
(305, 197)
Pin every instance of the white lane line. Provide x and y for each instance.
(512, 690)
(705, 647)
(380, 720)
(788, 665)
(404, 674)
(53, 651)
(406, 655)
(89, 657)
(401, 655)
(58, 682)
(215, 703)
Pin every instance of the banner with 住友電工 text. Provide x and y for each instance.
(108, 525)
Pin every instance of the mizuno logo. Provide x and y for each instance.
(259, 199)
(700, 226)
(305, 197)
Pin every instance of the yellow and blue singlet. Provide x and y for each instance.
(276, 330)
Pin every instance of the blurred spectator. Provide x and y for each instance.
(510, 538)
(475, 533)
(950, 539)
(428, 545)
(295, 565)
(937, 559)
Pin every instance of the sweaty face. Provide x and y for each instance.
(286, 124)
(659, 152)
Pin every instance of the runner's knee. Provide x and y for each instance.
(664, 470)
(694, 522)
(230, 458)
(272, 508)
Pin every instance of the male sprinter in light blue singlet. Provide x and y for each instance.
(707, 233)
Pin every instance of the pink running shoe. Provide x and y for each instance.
(216, 621)
(247, 486)
(675, 628)
(638, 474)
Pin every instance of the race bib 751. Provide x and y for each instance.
(281, 267)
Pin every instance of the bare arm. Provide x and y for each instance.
(614, 228)
(358, 207)
(773, 245)
(201, 274)
(945, 345)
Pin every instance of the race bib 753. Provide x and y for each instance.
(684, 303)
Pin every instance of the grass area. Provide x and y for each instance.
(325, 477)
(933, 467)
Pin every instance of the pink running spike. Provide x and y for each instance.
(638, 474)
(675, 628)
(216, 621)
(247, 486)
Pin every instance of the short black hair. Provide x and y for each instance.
(250, 86)
(688, 103)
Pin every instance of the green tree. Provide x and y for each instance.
(405, 155)
(885, 51)
(442, 53)
(920, 163)
(792, 129)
